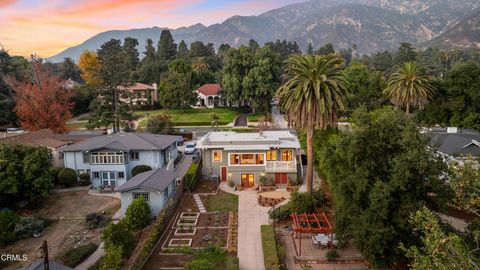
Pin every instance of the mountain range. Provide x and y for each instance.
(371, 25)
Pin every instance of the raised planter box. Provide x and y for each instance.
(185, 232)
(292, 188)
(268, 188)
(187, 222)
(180, 242)
(189, 215)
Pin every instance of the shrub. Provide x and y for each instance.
(140, 168)
(95, 221)
(26, 227)
(299, 203)
(191, 177)
(159, 123)
(8, 218)
(113, 258)
(199, 265)
(263, 180)
(75, 256)
(84, 179)
(54, 171)
(332, 255)
(231, 183)
(138, 214)
(281, 212)
(67, 177)
(119, 235)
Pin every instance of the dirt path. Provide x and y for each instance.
(67, 210)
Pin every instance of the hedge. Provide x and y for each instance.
(75, 256)
(67, 177)
(140, 168)
(191, 177)
(200, 123)
(158, 228)
(269, 246)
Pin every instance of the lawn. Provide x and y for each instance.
(219, 260)
(195, 117)
(269, 247)
(222, 202)
(77, 125)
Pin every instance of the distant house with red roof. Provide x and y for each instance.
(210, 95)
(139, 93)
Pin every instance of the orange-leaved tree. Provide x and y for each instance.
(43, 102)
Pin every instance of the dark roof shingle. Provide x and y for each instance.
(125, 142)
(156, 179)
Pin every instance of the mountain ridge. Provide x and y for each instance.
(372, 25)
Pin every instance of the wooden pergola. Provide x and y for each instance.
(311, 223)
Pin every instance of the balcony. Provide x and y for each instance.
(281, 166)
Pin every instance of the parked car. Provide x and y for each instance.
(190, 148)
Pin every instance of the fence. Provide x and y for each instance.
(159, 228)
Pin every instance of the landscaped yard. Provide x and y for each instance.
(194, 117)
(67, 230)
(222, 202)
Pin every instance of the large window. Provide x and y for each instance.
(247, 159)
(287, 155)
(217, 155)
(271, 155)
(86, 157)
(96, 175)
(121, 175)
(145, 195)
(107, 158)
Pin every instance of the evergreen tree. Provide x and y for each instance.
(148, 68)
(182, 51)
(131, 51)
(326, 49)
(167, 48)
(176, 90)
(309, 49)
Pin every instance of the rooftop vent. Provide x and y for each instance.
(452, 130)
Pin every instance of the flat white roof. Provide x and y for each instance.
(229, 140)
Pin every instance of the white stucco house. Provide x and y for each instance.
(210, 96)
(109, 159)
(156, 186)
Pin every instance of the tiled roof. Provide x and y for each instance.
(125, 142)
(156, 179)
(211, 89)
(44, 137)
(136, 87)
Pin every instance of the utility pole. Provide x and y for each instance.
(45, 255)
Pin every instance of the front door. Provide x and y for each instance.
(109, 179)
(247, 180)
(280, 178)
(224, 174)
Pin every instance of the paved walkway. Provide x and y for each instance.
(241, 121)
(201, 208)
(250, 217)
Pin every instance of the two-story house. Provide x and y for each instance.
(245, 157)
(454, 144)
(110, 159)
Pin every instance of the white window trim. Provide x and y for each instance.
(147, 197)
(243, 165)
(213, 156)
(285, 150)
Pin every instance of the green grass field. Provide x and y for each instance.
(270, 255)
(222, 202)
(195, 117)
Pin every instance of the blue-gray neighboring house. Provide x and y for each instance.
(156, 186)
(109, 159)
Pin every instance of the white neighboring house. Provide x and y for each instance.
(110, 159)
(156, 186)
(455, 144)
(210, 96)
(139, 93)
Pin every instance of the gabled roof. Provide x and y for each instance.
(44, 137)
(211, 89)
(461, 143)
(156, 179)
(135, 87)
(125, 142)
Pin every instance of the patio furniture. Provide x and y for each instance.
(321, 240)
(334, 241)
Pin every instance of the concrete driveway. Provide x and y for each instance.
(250, 217)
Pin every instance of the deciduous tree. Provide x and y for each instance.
(90, 68)
(43, 102)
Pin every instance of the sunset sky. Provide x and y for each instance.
(48, 27)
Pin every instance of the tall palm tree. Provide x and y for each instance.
(200, 65)
(406, 88)
(313, 93)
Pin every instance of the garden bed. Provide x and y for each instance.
(203, 238)
(206, 186)
(180, 242)
(213, 220)
(185, 222)
(185, 231)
